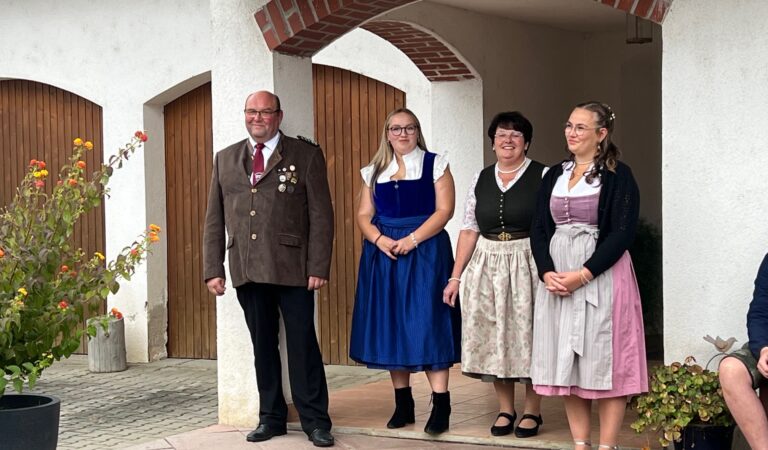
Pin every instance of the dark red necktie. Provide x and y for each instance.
(258, 163)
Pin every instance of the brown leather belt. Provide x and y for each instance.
(506, 236)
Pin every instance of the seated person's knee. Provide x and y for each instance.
(731, 371)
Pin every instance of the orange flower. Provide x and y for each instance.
(153, 237)
(153, 227)
(41, 164)
(114, 311)
(81, 164)
(72, 182)
(119, 316)
(39, 183)
(2, 253)
(78, 142)
(63, 304)
(141, 136)
(88, 145)
(64, 268)
(33, 162)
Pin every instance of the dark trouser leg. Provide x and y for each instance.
(305, 363)
(260, 306)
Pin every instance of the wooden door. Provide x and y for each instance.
(188, 165)
(38, 121)
(350, 110)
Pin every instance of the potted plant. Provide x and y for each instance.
(106, 342)
(685, 405)
(48, 285)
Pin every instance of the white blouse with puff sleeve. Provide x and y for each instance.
(414, 162)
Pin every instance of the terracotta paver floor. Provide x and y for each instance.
(474, 408)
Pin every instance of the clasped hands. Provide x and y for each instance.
(393, 248)
(564, 283)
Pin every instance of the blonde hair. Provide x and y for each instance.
(385, 153)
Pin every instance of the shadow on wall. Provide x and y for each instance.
(646, 255)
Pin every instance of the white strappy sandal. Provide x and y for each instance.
(583, 443)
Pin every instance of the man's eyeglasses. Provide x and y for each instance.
(410, 130)
(577, 129)
(267, 113)
(505, 136)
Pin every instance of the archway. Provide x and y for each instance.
(39, 121)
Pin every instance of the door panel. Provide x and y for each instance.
(188, 166)
(350, 110)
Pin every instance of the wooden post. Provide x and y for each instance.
(106, 351)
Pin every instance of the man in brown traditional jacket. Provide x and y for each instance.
(270, 194)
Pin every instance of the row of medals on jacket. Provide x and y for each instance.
(286, 175)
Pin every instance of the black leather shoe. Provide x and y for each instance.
(504, 430)
(529, 432)
(321, 438)
(264, 432)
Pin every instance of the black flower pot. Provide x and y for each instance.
(29, 421)
(705, 437)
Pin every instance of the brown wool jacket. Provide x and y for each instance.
(278, 235)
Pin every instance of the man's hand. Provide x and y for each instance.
(315, 283)
(762, 362)
(216, 286)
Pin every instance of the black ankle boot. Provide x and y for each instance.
(441, 411)
(403, 408)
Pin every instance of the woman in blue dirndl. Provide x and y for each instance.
(400, 322)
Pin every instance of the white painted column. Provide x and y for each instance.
(243, 64)
(457, 129)
(714, 74)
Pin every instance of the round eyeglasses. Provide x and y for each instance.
(410, 130)
(578, 130)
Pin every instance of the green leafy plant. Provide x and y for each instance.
(103, 321)
(680, 394)
(47, 284)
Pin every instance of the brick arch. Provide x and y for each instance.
(303, 27)
(653, 10)
(435, 60)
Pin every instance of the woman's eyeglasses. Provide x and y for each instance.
(410, 130)
(577, 129)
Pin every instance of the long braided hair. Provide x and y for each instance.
(607, 152)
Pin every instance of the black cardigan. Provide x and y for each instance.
(617, 214)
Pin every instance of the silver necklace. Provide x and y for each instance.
(511, 171)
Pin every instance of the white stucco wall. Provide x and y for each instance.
(522, 67)
(118, 55)
(715, 78)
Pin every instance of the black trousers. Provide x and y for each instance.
(262, 305)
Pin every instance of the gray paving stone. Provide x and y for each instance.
(147, 402)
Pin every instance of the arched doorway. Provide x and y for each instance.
(39, 121)
(188, 166)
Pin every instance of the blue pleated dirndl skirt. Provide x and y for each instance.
(400, 321)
